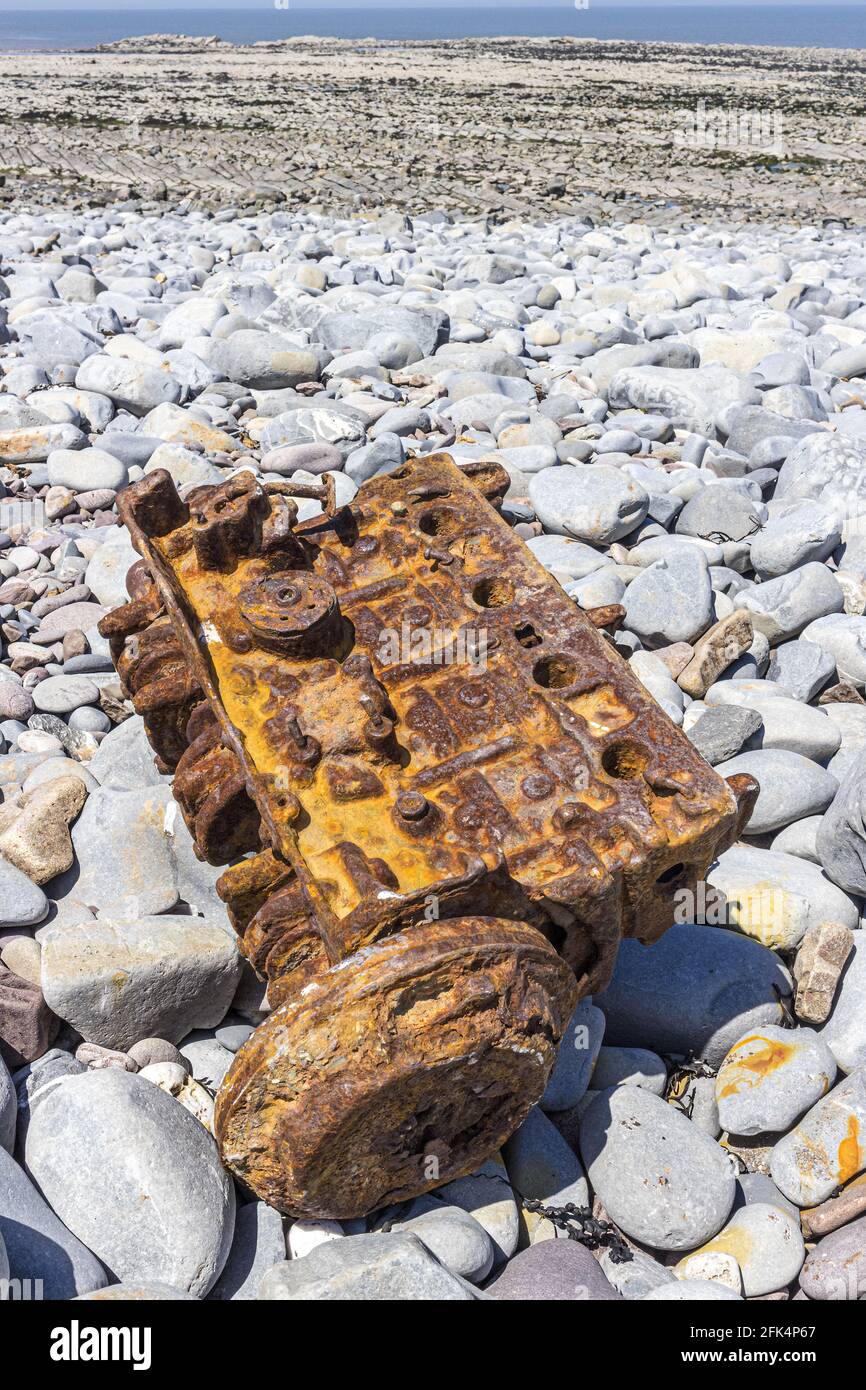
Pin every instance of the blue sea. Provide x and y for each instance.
(827, 26)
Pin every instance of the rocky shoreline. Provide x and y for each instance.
(496, 127)
(682, 415)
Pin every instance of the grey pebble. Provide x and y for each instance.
(661, 1180)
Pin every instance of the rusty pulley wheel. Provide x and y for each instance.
(402, 1067)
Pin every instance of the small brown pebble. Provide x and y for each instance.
(675, 658)
(715, 652)
(817, 969)
(74, 644)
(842, 694)
(27, 1025)
(96, 1057)
(836, 1211)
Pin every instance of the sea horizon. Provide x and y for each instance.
(783, 25)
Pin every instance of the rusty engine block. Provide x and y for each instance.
(442, 797)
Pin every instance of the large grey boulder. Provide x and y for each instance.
(791, 787)
(841, 839)
(542, 1165)
(131, 385)
(660, 1179)
(123, 848)
(38, 1245)
(135, 1177)
(783, 607)
(86, 470)
(350, 331)
(696, 991)
(843, 637)
(119, 981)
(124, 759)
(826, 467)
(265, 361)
(798, 534)
(593, 503)
(720, 514)
(777, 898)
(671, 600)
(691, 398)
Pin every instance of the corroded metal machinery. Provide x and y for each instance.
(441, 796)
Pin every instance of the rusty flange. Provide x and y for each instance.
(401, 1066)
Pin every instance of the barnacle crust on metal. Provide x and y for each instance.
(441, 797)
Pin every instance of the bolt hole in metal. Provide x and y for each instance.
(624, 761)
(554, 673)
(288, 597)
(492, 593)
(438, 521)
(527, 636)
(671, 875)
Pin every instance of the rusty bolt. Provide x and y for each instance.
(412, 805)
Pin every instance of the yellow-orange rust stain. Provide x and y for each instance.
(849, 1151)
(731, 1241)
(747, 1071)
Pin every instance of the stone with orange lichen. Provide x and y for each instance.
(827, 1148)
(766, 1243)
(770, 1077)
(33, 445)
(777, 898)
(719, 1266)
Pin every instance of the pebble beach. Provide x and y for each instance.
(679, 401)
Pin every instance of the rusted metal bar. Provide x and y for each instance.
(441, 797)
